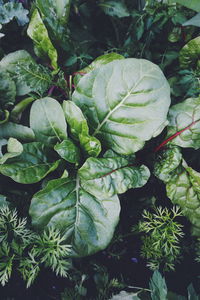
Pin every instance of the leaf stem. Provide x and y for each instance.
(175, 135)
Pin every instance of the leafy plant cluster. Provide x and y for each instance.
(81, 129)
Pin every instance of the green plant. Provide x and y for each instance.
(27, 251)
(161, 242)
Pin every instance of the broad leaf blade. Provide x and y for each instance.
(194, 21)
(7, 89)
(184, 123)
(105, 177)
(192, 4)
(158, 287)
(32, 165)
(126, 103)
(12, 10)
(17, 131)
(189, 55)
(43, 45)
(68, 151)
(9, 63)
(48, 121)
(80, 130)
(14, 148)
(86, 222)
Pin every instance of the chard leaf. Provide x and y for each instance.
(125, 102)
(79, 129)
(9, 63)
(7, 89)
(194, 21)
(158, 287)
(114, 9)
(189, 56)
(86, 222)
(48, 121)
(14, 148)
(12, 10)
(56, 18)
(184, 124)
(182, 185)
(68, 151)
(105, 177)
(37, 77)
(192, 4)
(32, 165)
(17, 131)
(98, 62)
(39, 34)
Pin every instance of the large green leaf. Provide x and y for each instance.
(37, 77)
(192, 4)
(79, 129)
(48, 121)
(68, 151)
(87, 222)
(189, 55)
(7, 89)
(105, 177)
(182, 185)
(184, 123)
(11, 10)
(17, 131)
(35, 162)
(10, 62)
(39, 34)
(56, 18)
(126, 103)
(114, 8)
(194, 21)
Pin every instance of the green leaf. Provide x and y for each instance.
(192, 4)
(37, 77)
(56, 18)
(125, 102)
(32, 165)
(125, 296)
(184, 123)
(3, 200)
(98, 62)
(14, 148)
(39, 34)
(86, 222)
(68, 151)
(194, 21)
(158, 287)
(7, 89)
(9, 63)
(79, 129)
(17, 131)
(189, 56)
(114, 8)
(192, 295)
(105, 177)
(11, 10)
(48, 121)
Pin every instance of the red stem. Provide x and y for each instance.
(132, 165)
(175, 135)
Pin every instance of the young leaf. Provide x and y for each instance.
(32, 165)
(114, 8)
(17, 131)
(105, 177)
(14, 148)
(184, 124)
(86, 222)
(37, 77)
(11, 10)
(48, 121)
(39, 34)
(9, 63)
(126, 103)
(7, 89)
(158, 287)
(189, 56)
(79, 129)
(68, 151)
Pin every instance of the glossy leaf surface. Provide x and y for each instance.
(125, 102)
(68, 151)
(17, 131)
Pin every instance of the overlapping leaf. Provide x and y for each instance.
(126, 103)
(189, 55)
(7, 89)
(11, 10)
(17, 131)
(35, 162)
